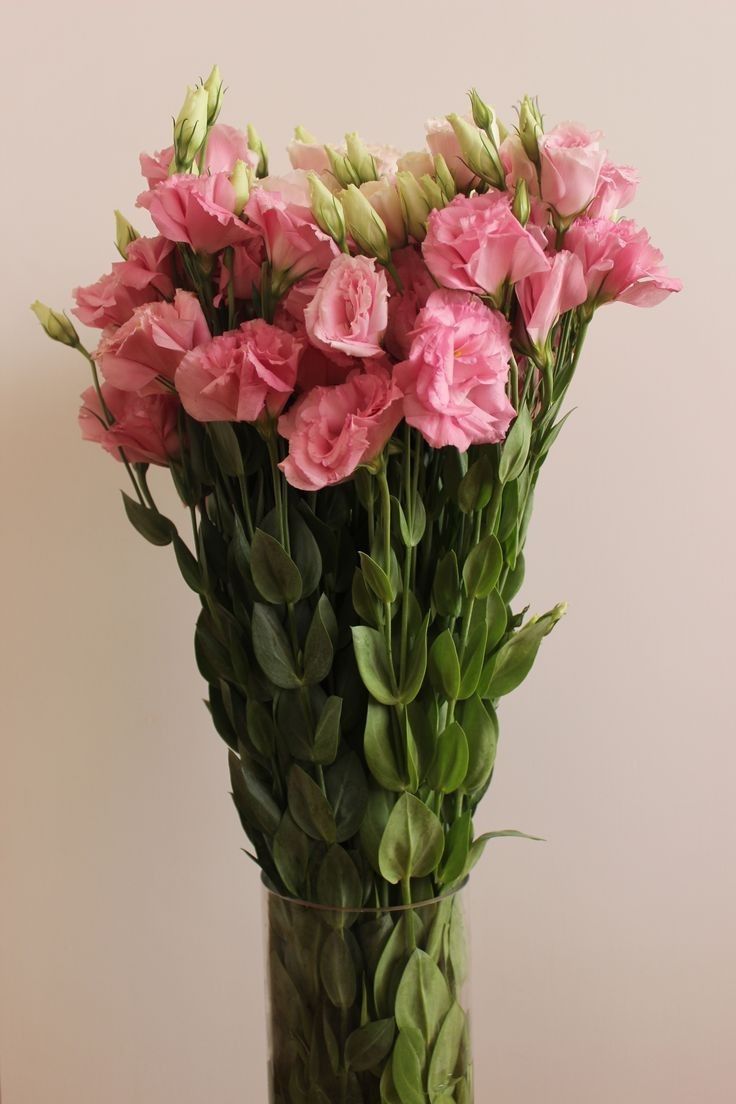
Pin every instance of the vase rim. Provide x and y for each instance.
(363, 910)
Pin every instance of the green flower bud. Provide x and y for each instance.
(327, 210)
(482, 113)
(215, 91)
(432, 192)
(414, 205)
(478, 152)
(444, 177)
(124, 234)
(57, 325)
(190, 128)
(255, 143)
(341, 168)
(240, 180)
(530, 128)
(365, 225)
(361, 161)
(303, 135)
(521, 206)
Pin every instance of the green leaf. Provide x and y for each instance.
(377, 579)
(406, 1067)
(272, 648)
(483, 567)
(389, 1095)
(450, 763)
(261, 729)
(152, 525)
(444, 666)
(337, 970)
(254, 799)
(476, 486)
(385, 982)
(473, 660)
(478, 845)
(514, 579)
(373, 663)
(338, 881)
(291, 854)
(516, 447)
(481, 731)
(458, 942)
(377, 811)
(515, 658)
(412, 842)
(369, 1045)
(446, 593)
(378, 746)
(347, 793)
(457, 846)
(416, 666)
(226, 447)
(274, 572)
(188, 565)
(364, 602)
(327, 732)
(423, 997)
(446, 1055)
(305, 553)
(309, 806)
(318, 647)
(496, 619)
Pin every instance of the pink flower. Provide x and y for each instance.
(404, 306)
(349, 311)
(517, 164)
(619, 262)
(241, 375)
(332, 430)
(295, 245)
(571, 160)
(156, 168)
(146, 275)
(476, 244)
(145, 426)
(225, 146)
(151, 343)
(310, 156)
(454, 381)
(441, 139)
(616, 189)
(546, 295)
(196, 210)
(384, 199)
(418, 162)
(244, 267)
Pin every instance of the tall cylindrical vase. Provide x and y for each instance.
(368, 1006)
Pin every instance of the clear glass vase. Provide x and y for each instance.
(368, 1006)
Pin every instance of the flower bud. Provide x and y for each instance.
(365, 225)
(240, 180)
(478, 152)
(57, 325)
(341, 168)
(256, 145)
(485, 119)
(327, 210)
(530, 128)
(215, 91)
(444, 177)
(361, 161)
(303, 135)
(414, 205)
(432, 192)
(124, 234)
(521, 206)
(190, 128)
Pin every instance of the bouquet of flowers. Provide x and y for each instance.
(354, 373)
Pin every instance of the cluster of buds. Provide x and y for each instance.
(530, 127)
(198, 113)
(480, 141)
(355, 166)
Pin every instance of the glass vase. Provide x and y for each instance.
(368, 1006)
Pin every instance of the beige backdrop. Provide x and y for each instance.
(130, 918)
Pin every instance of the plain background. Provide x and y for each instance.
(130, 919)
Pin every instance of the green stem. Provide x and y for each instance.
(386, 524)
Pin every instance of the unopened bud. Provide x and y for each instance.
(255, 144)
(215, 91)
(521, 206)
(327, 210)
(57, 325)
(530, 128)
(478, 152)
(365, 225)
(486, 119)
(303, 135)
(341, 168)
(432, 192)
(124, 234)
(190, 128)
(444, 177)
(414, 205)
(360, 159)
(240, 180)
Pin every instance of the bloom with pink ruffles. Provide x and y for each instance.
(145, 426)
(310, 156)
(442, 140)
(616, 189)
(332, 430)
(476, 244)
(294, 243)
(243, 266)
(570, 161)
(545, 296)
(196, 210)
(147, 274)
(225, 146)
(151, 343)
(417, 285)
(349, 311)
(240, 375)
(454, 382)
(619, 262)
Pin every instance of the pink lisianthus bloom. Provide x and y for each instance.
(349, 311)
(244, 267)
(295, 245)
(151, 344)
(317, 369)
(454, 381)
(517, 164)
(145, 426)
(417, 284)
(619, 263)
(333, 430)
(196, 210)
(156, 168)
(441, 139)
(545, 296)
(476, 244)
(241, 375)
(225, 146)
(310, 156)
(418, 162)
(616, 189)
(570, 160)
(146, 275)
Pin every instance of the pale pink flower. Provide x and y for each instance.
(517, 164)
(476, 244)
(241, 375)
(417, 284)
(310, 156)
(616, 189)
(151, 343)
(384, 199)
(441, 139)
(349, 311)
(156, 168)
(571, 160)
(145, 276)
(620, 262)
(418, 162)
(332, 430)
(225, 146)
(243, 266)
(454, 381)
(145, 426)
(198, 211)
(545, 296)
(295, 245)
